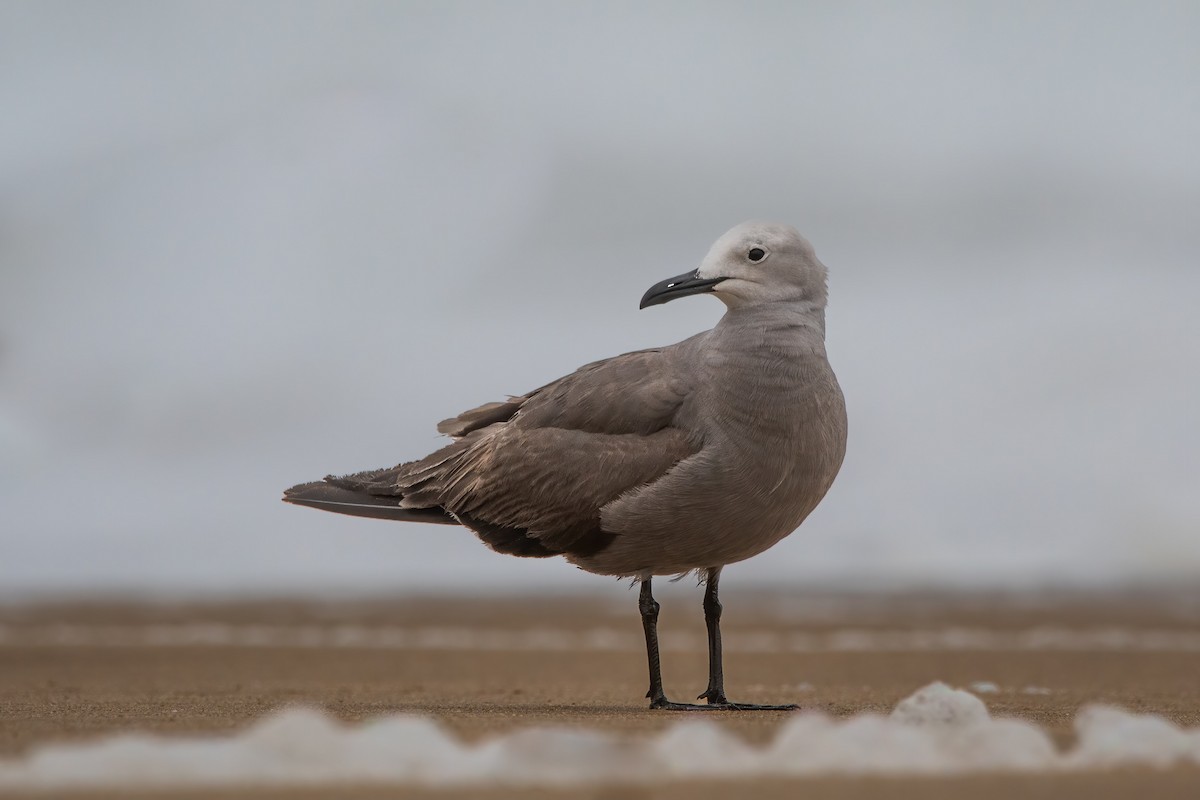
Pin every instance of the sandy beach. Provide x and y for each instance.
(481, 666)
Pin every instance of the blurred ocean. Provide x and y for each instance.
(244, 245)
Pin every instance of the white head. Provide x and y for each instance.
(764, 262)
(752, 264)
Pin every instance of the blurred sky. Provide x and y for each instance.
(246, 244)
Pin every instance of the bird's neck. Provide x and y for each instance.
(800, 318)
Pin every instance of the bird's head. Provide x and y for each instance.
(753, 263)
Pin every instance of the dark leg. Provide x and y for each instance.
(658, 699)
(715, 694)
(712, 620)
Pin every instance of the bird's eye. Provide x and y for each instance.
(756, 254)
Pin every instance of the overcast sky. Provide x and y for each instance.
(246, 244)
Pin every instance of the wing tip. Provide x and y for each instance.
(326, 496)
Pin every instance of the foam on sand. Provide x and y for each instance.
(936, 731)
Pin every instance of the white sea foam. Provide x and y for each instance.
(936, 731)
(219, 634)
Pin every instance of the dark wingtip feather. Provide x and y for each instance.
(299, 490)
(328, 497)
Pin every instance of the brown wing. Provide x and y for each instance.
(637, 392)
(530, 475)
(544, 484)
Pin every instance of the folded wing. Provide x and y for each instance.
(531, 474)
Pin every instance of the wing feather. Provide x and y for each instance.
(531, 474)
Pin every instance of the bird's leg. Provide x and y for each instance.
(649, 608)
(715, 694)
(658, 699)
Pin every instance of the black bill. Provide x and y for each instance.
(679, 286)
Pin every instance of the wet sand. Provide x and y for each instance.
(481, 665)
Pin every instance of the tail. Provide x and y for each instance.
(328, 497)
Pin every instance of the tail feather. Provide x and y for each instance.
(328, 497)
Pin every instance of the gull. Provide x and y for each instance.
(658, 462)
